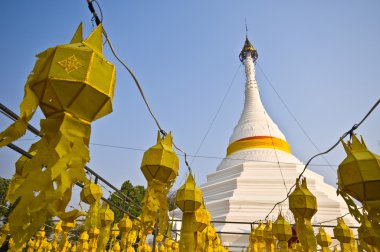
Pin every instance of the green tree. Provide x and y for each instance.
(135, 193)
(4, 184)
(171, 200)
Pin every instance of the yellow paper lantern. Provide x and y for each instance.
(160, 167)
(91, 193)
(302, 202)
(189, 196)
(252, 241)
(115, 231)
(106, 215)
(283, 232)
(160, 162)
(188, 199)
(323, 240)
(259, 232)
(73, 84)
(68, 73)
(269, 238)
(359, 175)
(125, 224)
(303, 205)
(344, 235)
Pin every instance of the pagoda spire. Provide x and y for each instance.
(255, 129)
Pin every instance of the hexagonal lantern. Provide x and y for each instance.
(343, 234)
(202, 218)
(188, 199)
(283, 232)
(189, 196)
(91, 193)
(253, 240)
(75, 78)
(160, 162)
(323, 239)
(269, 238)
(106, 215)
(303, 205)
(115, 231)
(302, 202)
(359, 175)
(125, 224)
(259, 232)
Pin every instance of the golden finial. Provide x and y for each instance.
(247, 48)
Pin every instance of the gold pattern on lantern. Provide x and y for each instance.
(70, 64)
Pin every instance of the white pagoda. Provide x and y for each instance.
(258, 170)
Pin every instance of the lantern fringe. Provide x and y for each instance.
(27, 108)
(61, 154)
(305, 233)
(155, 205)
(92, 220)
(352, 207)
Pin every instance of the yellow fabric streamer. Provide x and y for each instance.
(106, 218)
(73, 85)
(258, 142)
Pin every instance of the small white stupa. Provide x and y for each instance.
(258, 170)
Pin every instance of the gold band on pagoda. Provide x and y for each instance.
(258, 142)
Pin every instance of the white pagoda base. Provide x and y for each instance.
(246, 191)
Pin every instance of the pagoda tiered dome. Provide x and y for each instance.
(255, 137)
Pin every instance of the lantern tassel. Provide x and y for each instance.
(155, 205)
(61, 154)
(27, 108)
(305, 234)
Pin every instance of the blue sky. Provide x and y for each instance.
(322, 57)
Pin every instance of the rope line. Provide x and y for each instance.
(163, 132)
(216, 114)
(204, 156)
(275, 152)
(349, 132)
(293, 116)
